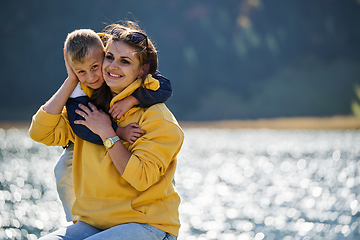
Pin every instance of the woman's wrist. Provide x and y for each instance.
(107, 133)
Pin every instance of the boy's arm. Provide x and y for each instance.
(80, 130)
(148, 97)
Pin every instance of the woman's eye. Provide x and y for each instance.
(125, 61)
(109, 57)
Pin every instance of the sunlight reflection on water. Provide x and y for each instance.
(268, 184)
(234, 184)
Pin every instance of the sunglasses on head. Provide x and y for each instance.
(133, 36)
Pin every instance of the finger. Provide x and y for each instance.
(81, 113)
(134, 125)
(139, 134)
(84, 108)
(92, 106)
(81, 122)
(139, 130)
(65, 58)
(135, 135)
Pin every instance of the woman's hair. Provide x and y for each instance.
(80, 43)
(130, 33)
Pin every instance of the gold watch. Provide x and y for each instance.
(109, 142)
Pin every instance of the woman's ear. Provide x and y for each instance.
(144, 70)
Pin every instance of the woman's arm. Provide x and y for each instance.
(151, 155)
(100, 123)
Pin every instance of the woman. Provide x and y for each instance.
(122, 191)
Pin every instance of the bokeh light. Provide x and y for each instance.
(234, 184)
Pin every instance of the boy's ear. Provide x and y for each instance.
(144, 71)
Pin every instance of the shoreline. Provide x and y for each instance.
(335, 122)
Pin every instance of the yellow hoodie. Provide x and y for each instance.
(144, 193)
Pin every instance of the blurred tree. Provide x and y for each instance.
(225, 59)
(355, 104)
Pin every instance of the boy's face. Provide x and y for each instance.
(89, 71)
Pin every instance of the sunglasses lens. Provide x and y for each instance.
(136, 37)
(132, 36)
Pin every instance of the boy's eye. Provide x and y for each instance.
(95, 67)
(81, 72)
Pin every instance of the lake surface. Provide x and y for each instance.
(234, 184)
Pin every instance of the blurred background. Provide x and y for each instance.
(227, 60)
(245, 59)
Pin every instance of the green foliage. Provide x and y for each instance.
(355, 104)
(225, 59)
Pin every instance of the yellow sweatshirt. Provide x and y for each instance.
(144, 193)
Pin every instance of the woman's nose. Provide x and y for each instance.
(113, 65)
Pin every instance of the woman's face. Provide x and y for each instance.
(121, 66)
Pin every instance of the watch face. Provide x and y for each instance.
(107, 143)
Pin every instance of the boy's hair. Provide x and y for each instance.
(80, 43)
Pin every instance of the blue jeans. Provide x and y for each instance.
(126, 231)
(64, 181)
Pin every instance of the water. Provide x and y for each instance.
(234, 184)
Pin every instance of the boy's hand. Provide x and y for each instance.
(130, 133)
(121, 107)
(71, 74)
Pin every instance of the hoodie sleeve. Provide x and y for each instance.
(153, 152)
(51, 129)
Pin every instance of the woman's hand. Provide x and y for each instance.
(100, 123)
(97, 121)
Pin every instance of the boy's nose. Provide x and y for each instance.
(91, 76)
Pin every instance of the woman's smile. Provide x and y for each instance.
(113, 75)
(121, 66)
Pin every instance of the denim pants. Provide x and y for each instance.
(126, 231)
(64, 181)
